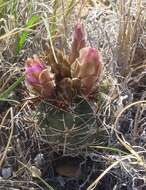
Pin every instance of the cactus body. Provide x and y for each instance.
(72, 128)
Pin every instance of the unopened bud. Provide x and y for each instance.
(87, 68)
(79, 41)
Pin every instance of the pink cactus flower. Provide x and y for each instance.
(38, 77)
(79, 41)
(88, 68)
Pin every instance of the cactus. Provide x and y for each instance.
(67, 111)
(68, 128)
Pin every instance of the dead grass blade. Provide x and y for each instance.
(129, 32)
(95, 183)
(122, 141)
(36, 175)
(10, 136)
(126, 108)
(49, 35)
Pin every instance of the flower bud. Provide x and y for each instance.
(79, 41)
(38, 77)
(87, 68)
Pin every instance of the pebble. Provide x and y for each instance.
(6, 172)
(39, 160)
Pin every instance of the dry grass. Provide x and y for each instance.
(118, 31)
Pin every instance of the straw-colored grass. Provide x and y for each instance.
(118, 30)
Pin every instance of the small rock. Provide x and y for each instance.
(61, 181)
(6, 172)
(39, 160)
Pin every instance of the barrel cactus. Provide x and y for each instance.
(67, 88)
